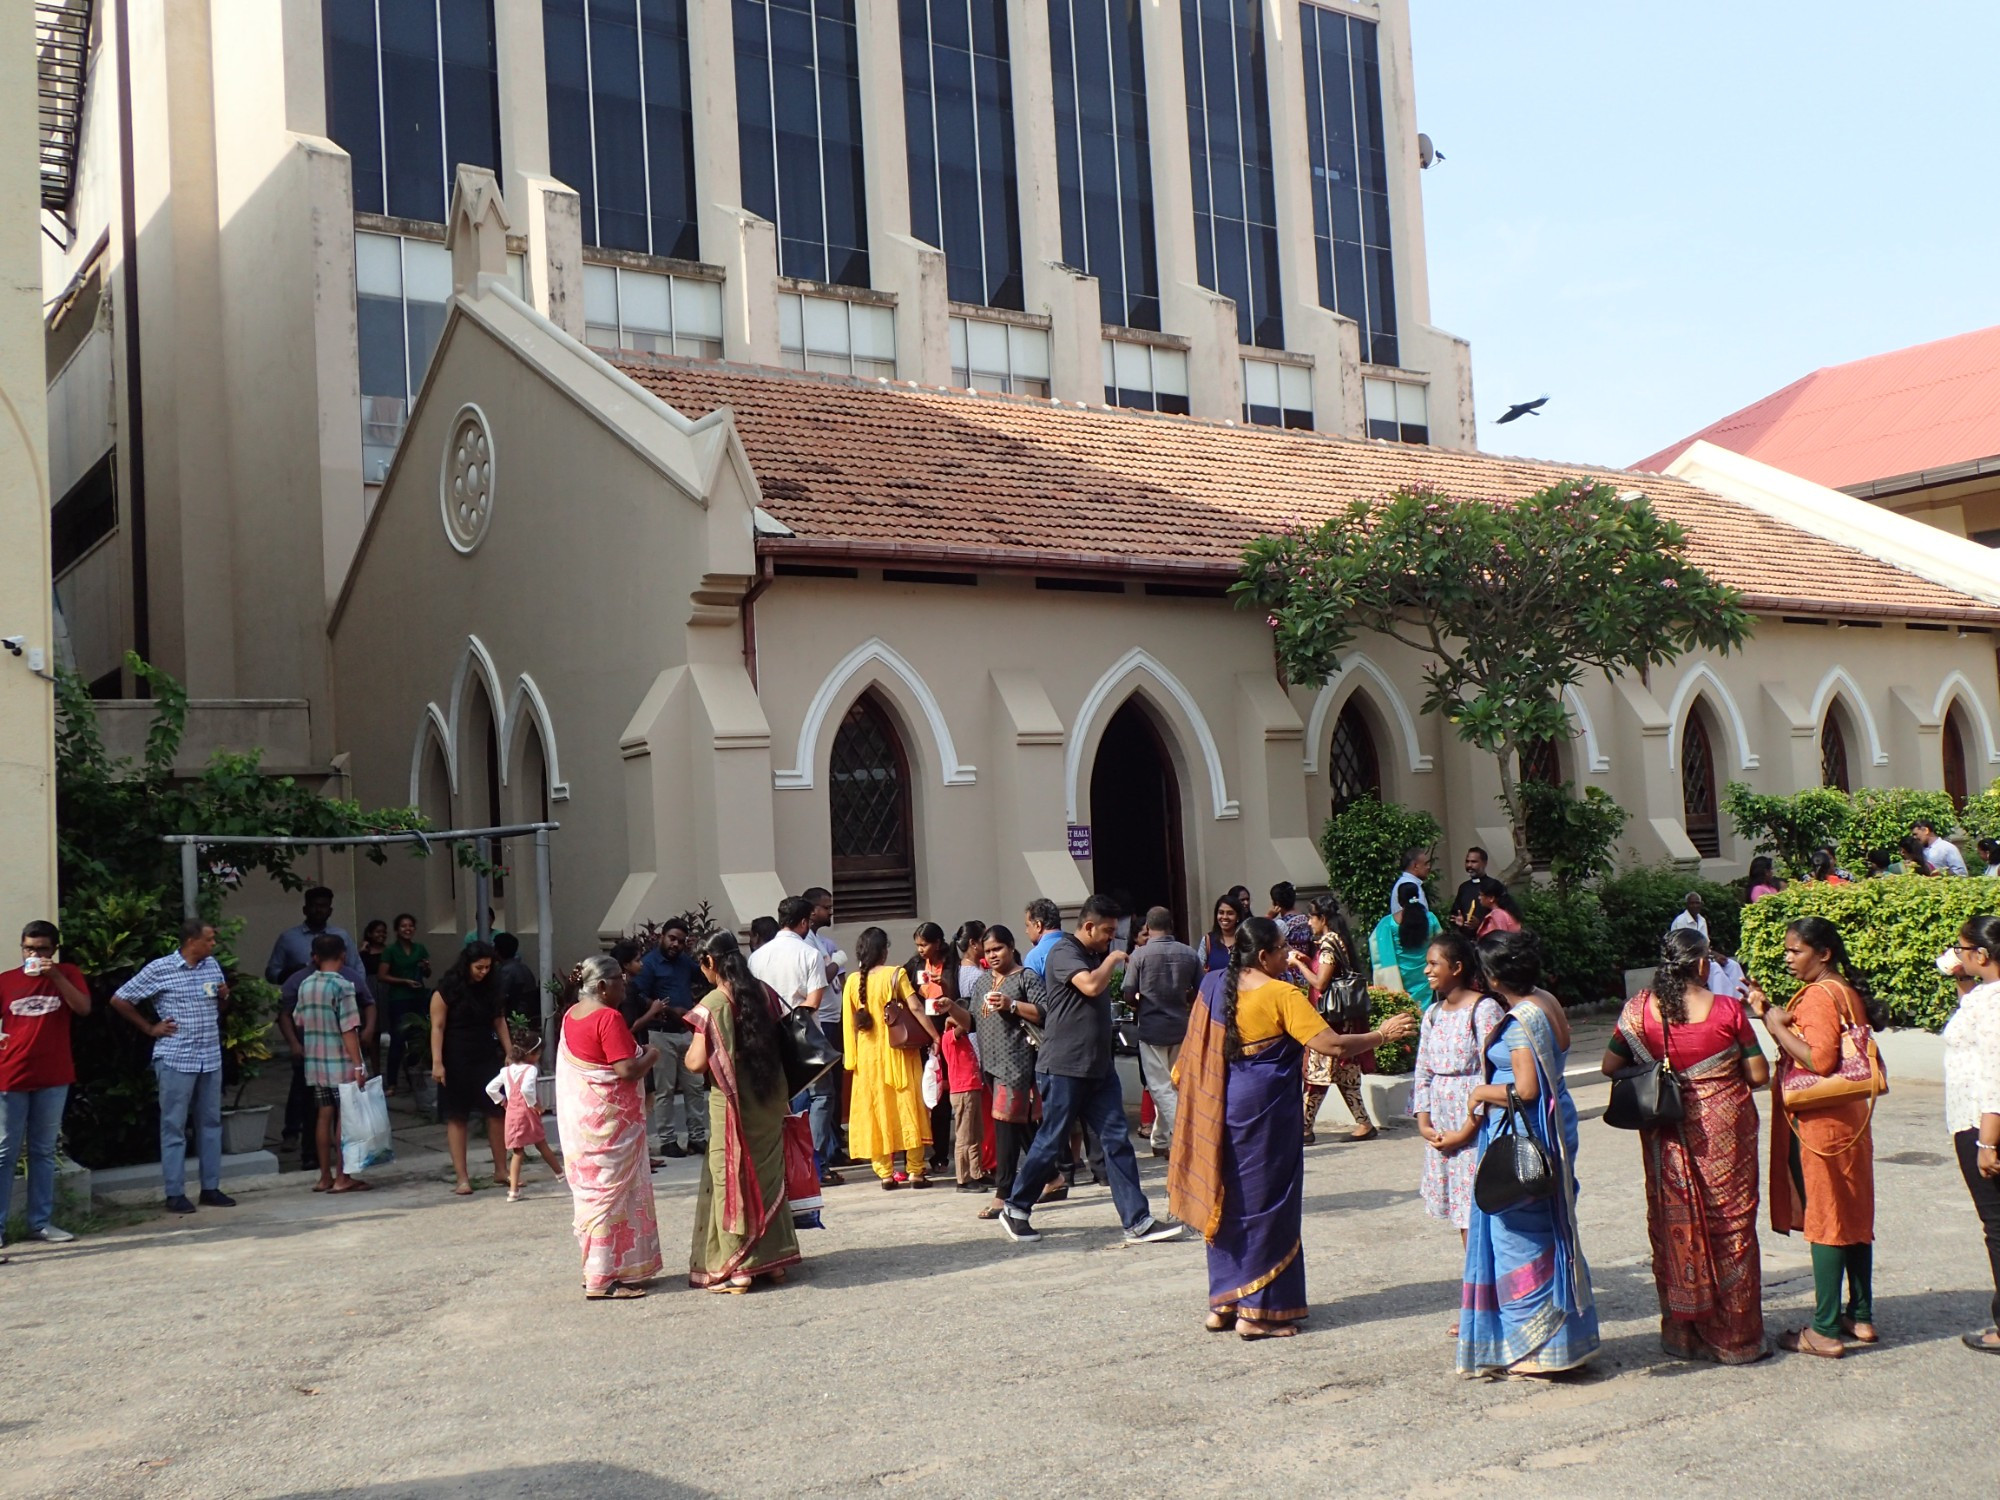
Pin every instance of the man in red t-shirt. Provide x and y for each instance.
(36, 1069)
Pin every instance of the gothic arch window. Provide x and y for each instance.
(1540, 762)
(1833, 754)
(868, 806)
(1698, 796)
(1353, 768)
(1957, 781)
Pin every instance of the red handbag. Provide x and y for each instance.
(801, 1173)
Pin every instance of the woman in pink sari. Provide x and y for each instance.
(601, 1112)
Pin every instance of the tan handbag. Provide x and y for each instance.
(1859, 1076)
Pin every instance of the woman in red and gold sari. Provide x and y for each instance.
(601, 1116)
(743, 1225)
(1701, 1175)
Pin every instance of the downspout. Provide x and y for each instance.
(135, 420)
(749, 608)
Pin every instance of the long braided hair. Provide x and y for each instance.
(1681, 953)
(1255, 936)
(760, 1059)
(1817, 932)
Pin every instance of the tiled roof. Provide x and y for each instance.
(922, 474)
(1927, 407)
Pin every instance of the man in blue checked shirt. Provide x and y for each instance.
(188, 991)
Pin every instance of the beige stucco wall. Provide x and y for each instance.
(27, 722)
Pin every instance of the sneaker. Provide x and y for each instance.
(671, 1148)
(216, 1198)
(179, 1205)
(1149, 1230)
(1019, 1229)
(48, 1234)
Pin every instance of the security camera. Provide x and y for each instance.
(14, 643)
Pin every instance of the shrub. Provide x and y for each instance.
(1641, 904)
(1573, 833)
(1980, 817)
(1790, 828)
(1392, 1057)
(1882, 816)
(1894, 926)
(1363, 846)
(1576, 943)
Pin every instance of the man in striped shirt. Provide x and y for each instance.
(188, 992)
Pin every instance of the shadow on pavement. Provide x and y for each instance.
(567, 1481)
(1409, 1299)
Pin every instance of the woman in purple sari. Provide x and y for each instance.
(1237, 1171)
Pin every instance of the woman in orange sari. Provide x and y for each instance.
(1823, 1160)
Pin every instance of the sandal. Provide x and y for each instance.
(463, 1190)
(890, 1184)
(1219, 1322)
(618, 1291)
(991, 1211)
(1364, 1133)
(354, 1185)
(1805, 1341)
(1250, 1330)
(920, 1182)
(1861, 1333)
(1311, 1139)
(1986, 1341)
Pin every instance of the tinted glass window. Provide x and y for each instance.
(412, 90)
(1229, 150)
(1104, 175)
(798, 112)
(1350, 176)
(959, 121)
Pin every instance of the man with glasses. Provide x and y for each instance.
(188, 991)
(36, 1070)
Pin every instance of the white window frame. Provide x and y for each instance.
(681, 295)
(799, 313)
(1407, 398)
(1291, 381)
(1024, 359)
(1165, 370)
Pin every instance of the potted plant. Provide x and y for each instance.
(246, 1047)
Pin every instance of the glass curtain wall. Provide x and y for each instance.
(1104, 170)
(958, 114)
(1229, 150)
(621, 129)
(412, 90)
(1350, 176)
(798, 114)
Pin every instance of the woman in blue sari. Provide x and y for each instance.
(1528, 1308)
(1238, 1165)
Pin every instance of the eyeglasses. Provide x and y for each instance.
(43, 949)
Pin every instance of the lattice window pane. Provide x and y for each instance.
(1698, 790)
(868, 803)
(1833, 756)
(1352, 767)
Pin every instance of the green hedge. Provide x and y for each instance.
(1895, 926)
(1577, 952)
(1362, 847)
(1392, 1057)
(1642, 903)
(1882, 817)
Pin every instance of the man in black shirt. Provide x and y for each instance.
(1077, 1074)
(1465, 905)
(1160, 982)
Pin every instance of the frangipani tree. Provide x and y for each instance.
(1508, 603)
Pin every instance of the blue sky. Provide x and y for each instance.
(1658, 213)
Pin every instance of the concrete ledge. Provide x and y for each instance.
(141, 1183)
(72, 1182)
(1387, 1097)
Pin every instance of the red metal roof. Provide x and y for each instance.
(1925, 407)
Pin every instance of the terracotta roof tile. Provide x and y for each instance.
(924, 473)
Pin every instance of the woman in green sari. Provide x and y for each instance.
(1397, 948)
(742, 1218)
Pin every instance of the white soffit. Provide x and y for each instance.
(1951, 561)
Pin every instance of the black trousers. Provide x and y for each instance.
(1010, 1140)
(302, 1116)
(1986, 1198)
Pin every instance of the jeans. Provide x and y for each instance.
(1099, 1103)
(1156, 1066)
(1985, 1198)
(825, 1105)
(671, 1077)
(32, 1117)
(179, 1093)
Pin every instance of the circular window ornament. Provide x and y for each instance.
(465, 486)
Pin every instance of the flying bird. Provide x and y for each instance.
(1523, 409)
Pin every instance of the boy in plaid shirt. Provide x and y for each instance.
(327, 1021)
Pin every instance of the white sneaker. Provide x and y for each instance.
(48, 1234)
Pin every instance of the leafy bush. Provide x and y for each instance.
(1392, 1057)
(1640, 905)
(1573, 833)
(1790, 828)
(1576, 943)
(1363, 846)
(1882, 816)
(1895, 926)
(1980, 817)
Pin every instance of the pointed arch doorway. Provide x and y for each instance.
(1135, 817)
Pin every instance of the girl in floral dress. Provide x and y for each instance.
(1449, 1067)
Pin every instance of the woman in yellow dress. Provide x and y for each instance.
(886, 1113)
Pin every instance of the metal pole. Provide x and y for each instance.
(545, 949)
(482, 921)
(190, 879)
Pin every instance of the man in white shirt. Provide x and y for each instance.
(796, 969)
(1691, 916)
(1409, 887)
(1725, 975)
(1941, 854)
(825, 1106)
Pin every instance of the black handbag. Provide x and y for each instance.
(1515, 1168)
(807, 1051)
(1344, 1004)
(1647, 1096)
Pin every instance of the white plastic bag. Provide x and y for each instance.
(364, 1127)
(933, 1080)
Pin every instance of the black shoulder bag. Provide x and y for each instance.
(1515, 1168)
(1647, 1096)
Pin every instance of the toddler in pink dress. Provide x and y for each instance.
(518, 1086)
